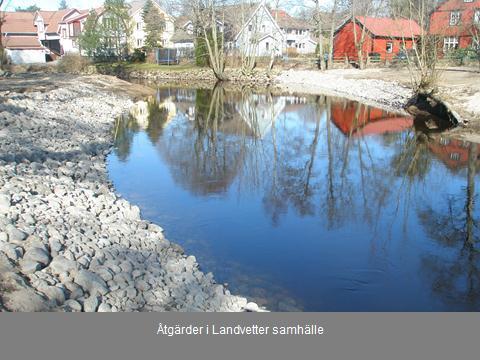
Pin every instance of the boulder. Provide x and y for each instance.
(91, 282)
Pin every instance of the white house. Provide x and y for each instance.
(297, 32)
(139, 34)
(20, 39)
(260, 34)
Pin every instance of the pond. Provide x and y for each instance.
(306, 203)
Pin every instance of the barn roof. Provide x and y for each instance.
(387, 27)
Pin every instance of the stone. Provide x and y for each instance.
(54, 293)
(252, 307)
(74, 305)
(30, 266)
(14, 234)
(4, 203)
(37, 254)
(3, 237)
(61, 265)
(91, 282)
(104, 307)
(90, 304)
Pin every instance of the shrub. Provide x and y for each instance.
(72, 63)
(138, 56)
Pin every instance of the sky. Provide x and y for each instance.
(50, 4)
(10, 5)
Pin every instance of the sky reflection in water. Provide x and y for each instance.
(307, 203)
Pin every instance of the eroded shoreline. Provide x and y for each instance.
(67, 241)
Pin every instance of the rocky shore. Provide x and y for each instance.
(67, 241)
(389, 95)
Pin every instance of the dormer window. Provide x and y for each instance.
(455, 18)
(468, 1)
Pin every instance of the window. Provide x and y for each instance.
(250, 27)
(389, 47)
(64, 33)
(455, 156)
(267, 46)
(139, 42)
(476, 16)
(139, 26)
(263, 28)
(455, 18)
(467, 1)
(450, 42)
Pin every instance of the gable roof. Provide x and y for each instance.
(138, 5)
(22, 42)
(53, 18)
(387, 27)
(19, 22)
(254, 9)
(285, 21)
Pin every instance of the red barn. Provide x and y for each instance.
(383, 36)
(457, 22)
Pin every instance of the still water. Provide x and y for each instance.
(307, 203)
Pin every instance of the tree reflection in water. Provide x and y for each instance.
(328, 168)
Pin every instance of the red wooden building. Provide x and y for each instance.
(457, 22)
(382, 36)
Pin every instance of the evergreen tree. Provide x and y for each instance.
(154, 25)
(31, 8)
(90, 40)
(62, 5)
(116, 26)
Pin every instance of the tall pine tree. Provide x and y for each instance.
(62, 5)
(154, 25)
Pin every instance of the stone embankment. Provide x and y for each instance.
(189, 76)
(67, 241)
(382, 93)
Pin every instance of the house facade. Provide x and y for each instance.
(458, 23)
(383, 37)
(298, 33)
(260, 34)
(138, 25)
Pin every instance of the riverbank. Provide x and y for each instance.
(67, 241)
(387, 88)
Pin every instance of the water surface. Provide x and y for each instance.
(306, 203)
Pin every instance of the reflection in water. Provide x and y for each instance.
(307, 203)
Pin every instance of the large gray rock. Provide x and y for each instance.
(91, 282)
(61, 265)
(90, 304)
(14, 234)
(4, 203)
(37, 254)
(30, 266)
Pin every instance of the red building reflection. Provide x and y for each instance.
(355, 119)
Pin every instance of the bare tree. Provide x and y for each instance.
(2, 51)
(422, 61)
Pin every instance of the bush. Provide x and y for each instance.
(73, 64)
(138, 56)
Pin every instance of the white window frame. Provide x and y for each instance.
(389, 47)
(455, 17)
(476, 16)
(450, 42)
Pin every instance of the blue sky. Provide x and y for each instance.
(50, 4)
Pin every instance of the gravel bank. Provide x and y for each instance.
(386, 94)
(67, 241)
